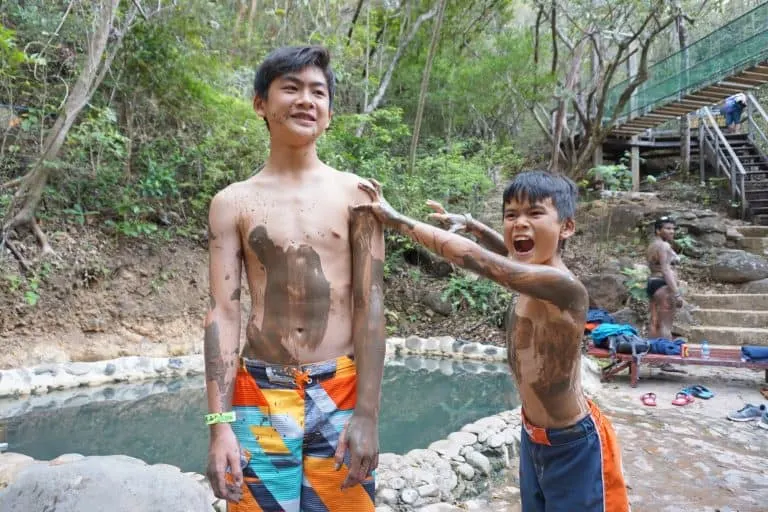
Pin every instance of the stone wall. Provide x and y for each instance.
(447, 471)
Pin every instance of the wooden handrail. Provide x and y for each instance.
(724, 141)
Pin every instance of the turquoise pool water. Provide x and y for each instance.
(419, 406)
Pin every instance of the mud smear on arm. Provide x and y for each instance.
(368, 328)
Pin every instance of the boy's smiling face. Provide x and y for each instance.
(532, 232)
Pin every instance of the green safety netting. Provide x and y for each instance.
(740, 44)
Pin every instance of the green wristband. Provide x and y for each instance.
(220, 417)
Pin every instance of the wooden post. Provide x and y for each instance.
(635, 164)
(702, 153)
(685, 144)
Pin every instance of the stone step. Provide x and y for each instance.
(741, 301)
(753, 231)
(731, 318)
(736, 336)
(755, 245)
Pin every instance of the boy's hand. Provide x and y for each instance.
(451, 221)
(223, 458)
(361, 437)
(378, 206)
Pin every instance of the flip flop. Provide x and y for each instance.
(649, 399)
(682, 398)
(700, 391)
(764, 392)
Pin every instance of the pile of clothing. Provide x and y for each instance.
(624, 339)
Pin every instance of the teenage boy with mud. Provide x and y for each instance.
(569, 456)
(294, 413)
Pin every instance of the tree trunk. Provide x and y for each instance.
(562, 107)
(31, 190)
(685, 126)
(384, 84)
(425, 84)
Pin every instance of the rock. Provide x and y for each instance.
(66, 458)
(736, 266)
(384, 508)
(92, 482)
(10, 465)
(496, 440)
(463, 438)
(760, 286)
(709, 240)
(479, 461)
(466, 471)
(607, 291)
(397, 483)
(413, 343)
(110, 369)
(446, 447)
(77, 369)
(434, 301)
(704, 223)
(438, 507)
(627, 316)
(387, 496)
(428, 491)
(409, 496)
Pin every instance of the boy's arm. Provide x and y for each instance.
(222, 342)
(665, 260)
(361, 433)
(486, 236)
(540, 281)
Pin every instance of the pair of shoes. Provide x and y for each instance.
(750, 413)
(683, 398)
(698, 391)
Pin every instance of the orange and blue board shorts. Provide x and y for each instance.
(289, 419)
(573, 468)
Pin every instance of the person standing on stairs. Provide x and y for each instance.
(663, 291)
(732, 109)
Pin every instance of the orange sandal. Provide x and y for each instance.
(682, 399)
(649, 399)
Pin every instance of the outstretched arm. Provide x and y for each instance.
(485, 235)
(540, 281)
(222, 343)
(360, 435)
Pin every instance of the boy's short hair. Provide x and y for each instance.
(290, 59)
(661, 221)
(536, 186)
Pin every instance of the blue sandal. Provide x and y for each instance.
(699, 391)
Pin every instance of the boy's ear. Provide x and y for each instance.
(567, 229)
(258, 106)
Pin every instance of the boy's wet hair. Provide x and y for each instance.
(661, 222)
(290, 59)
(536, 186)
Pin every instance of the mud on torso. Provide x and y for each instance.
(544, 350)
(298, 265)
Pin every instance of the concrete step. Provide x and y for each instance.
(755, 245)
(741, 301)
(728, 335)
(753, 231)
(731, 318)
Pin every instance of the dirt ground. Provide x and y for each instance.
(681, 459)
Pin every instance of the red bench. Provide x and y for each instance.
(719, 356)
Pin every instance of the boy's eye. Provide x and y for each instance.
(320, 93)
(290, 88)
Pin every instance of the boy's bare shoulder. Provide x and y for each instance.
(349, 182)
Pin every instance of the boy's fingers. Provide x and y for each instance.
(435, 206)
(236, 470)
(341, 449)
(376, 185)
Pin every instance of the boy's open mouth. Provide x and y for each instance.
(523, 245)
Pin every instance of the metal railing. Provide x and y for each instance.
(715, 149)
(753, 106)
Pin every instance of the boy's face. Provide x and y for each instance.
(297, 106)
(667, 232)
(532, 232)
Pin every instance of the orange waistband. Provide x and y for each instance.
(539, 434)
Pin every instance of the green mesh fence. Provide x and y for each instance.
(728, 50)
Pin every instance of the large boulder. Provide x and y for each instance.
(735, 266)
(607, 291)
(760, 286)
(116, 483)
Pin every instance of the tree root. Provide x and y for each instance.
(30, 223)
(26, 267)
(15, 182)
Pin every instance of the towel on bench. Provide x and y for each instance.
(753, 353)
(666, 347)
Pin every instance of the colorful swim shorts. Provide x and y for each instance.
(289, 420)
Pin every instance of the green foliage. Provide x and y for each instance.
(637, 279)
(612, 177)
(480, 295)
(29, 286)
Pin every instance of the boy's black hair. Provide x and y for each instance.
(661, 222)
(536, 186)
(290, 59)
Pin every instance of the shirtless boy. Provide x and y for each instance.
(662, 288)
(294, 413)
(569, 457)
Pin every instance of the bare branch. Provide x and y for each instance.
(137, 3)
